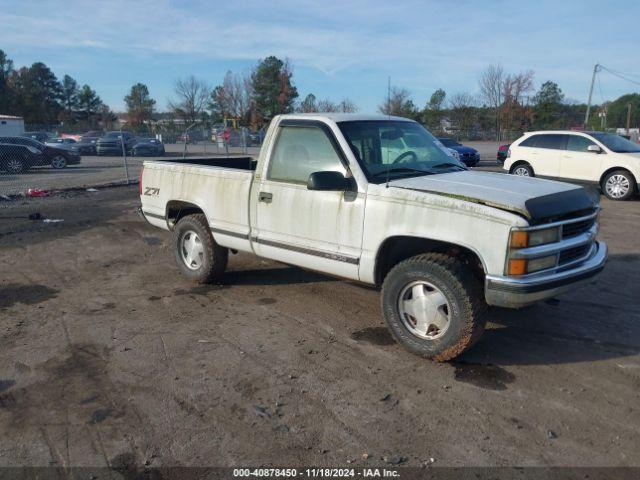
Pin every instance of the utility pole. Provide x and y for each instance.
(628, 118)
(596, 67)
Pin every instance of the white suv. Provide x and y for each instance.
(611, 161)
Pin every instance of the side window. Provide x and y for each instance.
(300, 151)
(529, 142)
(577, 143)
(554, 142)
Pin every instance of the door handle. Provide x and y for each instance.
(265, 197)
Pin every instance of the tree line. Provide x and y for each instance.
(506, 106)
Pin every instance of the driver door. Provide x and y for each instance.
(321, 230)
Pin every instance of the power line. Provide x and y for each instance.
(613, 72)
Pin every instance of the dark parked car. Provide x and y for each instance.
(111, 143)
(18, 158)
(87, 143)
(148, 147)
(501, 156)
(468, 155)
(55, 156)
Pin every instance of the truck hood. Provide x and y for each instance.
(538, 200)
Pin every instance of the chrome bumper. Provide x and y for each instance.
(513, 292)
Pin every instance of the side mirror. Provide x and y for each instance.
(328, 182)
(594, 148)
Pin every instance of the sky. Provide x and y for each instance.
(338, 49)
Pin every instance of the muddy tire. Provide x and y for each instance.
(198, 255)
(434, 306)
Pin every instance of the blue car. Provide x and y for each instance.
(468, 155)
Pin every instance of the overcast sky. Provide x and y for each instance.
(338, 48)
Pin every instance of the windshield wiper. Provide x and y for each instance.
(448, 164)
(400, 170)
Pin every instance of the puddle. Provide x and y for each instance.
(374, 335)
(266, 301)
(26, 294)
(490, 377)
(6, 384)
(152, 240)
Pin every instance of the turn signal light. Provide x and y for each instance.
(519, 239)
(517, 266)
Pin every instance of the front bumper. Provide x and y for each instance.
(512, 292)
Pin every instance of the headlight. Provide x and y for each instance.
(34, 150)
(523, 238)
(454, 153)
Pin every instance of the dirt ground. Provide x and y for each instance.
(109, 357)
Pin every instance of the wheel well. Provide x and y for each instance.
(517, 163)
(613, 169)
(177, 209)
(396, 249)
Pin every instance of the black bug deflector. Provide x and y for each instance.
(558, 205)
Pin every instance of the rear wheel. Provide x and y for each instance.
(434, 306)
(619, 185)
(198, 255)
(522, 170)
(59, 162)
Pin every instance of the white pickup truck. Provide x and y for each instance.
(379, 200)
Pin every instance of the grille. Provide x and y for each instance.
(572, 254)
(573, 229)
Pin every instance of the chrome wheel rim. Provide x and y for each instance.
(59, 162)
(14, 165)
(424, 310)
(617, 186)
(192, 250)
(521, 172)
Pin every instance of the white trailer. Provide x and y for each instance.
(11, 126)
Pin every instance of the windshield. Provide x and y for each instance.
(448, 142)
(616, 143)
(396, 148)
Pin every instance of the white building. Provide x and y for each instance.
(11, 126)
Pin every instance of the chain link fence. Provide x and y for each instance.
(49, 158)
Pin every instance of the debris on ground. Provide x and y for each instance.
(92, 190)
(261, 411)
(394, 459)
(551, 434)
(36, 192)
(53, 220)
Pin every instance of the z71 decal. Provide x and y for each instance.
(152, 191)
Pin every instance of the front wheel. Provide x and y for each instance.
(619, 185)
(15, 165)
(59, 162)
(198, 255)
(434, 306)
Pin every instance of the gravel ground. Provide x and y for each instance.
(108, 357)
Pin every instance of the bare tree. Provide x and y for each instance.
(515, 91)
(491, 85)
(347, 106)
(398, 103)
(192, 98)
(462, 110)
